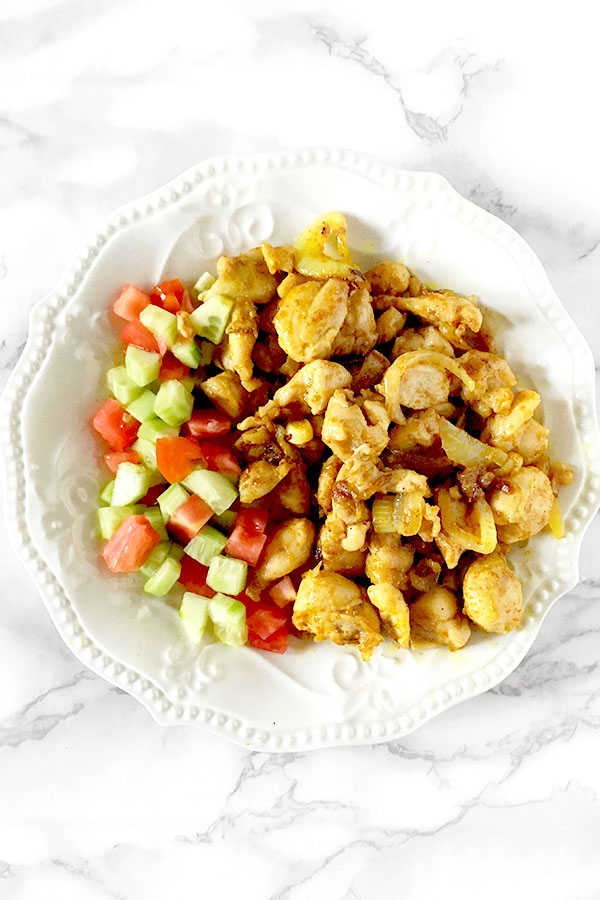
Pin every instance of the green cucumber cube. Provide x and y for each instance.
(193, 613)
(155, 428)
(205, 282)
(228, 617)
(142, 408)
(155, 559)
(121, 386)
(187, 352)
(131, 483)
(164, 578)
(207, 544)
(173, 403)
(142, 366)
(227, 575)
(160, 322)
(213, 488)
(171, 499)
(110, 517)
(210, 319)
(189, 382)
(147, 452)
(107, 492)
(226, 520)
(154, 516)
(176, 551)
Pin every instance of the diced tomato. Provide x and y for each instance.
(277, 642)
(266, 619)
(153, 494)
(115, 425)
(208, 423)
(283, 592)
(189, 518)
(247, 539)
(186, 303)
(113, 460)
(168, 302)
(171, 368)
(193, 577)
(219, 459)
(130, 302)
(137, 334)
(175, 457)
(130, 544)
(174, 286)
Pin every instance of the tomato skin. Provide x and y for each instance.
(193, 577)
(171, 368)
(115, 425)
(277, 642)
(174, 286)
(114, 459)
(283, 592)
(153, 494)
(186, 303)
(219, 459)
(137, 334)
(265, 620)
(247, 539)
(130, 302)
(175, 457)
(189, 518)
(130, 544)
(205, 423)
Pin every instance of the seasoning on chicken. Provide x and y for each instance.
(492, 594)
(288, 547)
(358, 334)
(309, 318)
(393, 611)
(436, 619)
(347, 427)
(245, 276)
(522, 504)
(242, 332)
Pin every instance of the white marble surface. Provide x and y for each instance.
(102, 101)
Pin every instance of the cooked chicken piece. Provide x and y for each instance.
(560, 474)
(309, 318)
(290, 367)
(244, 276)
(389, 324)
(435, 619)
(430, 524)
(471, 526)
(493, 381)
(290, 281)
(346, 426)
(225, 391)
(388, 560)
(522, 504)
(358, 334)
(347, 506)
(425, 575)
(531, 441)
(260, 478)
(266, 315)
(242, 331)
(327, 476)
(393, 612)
(444, 306)
(388, 278)
(417, 386)
(368, 373)
(420, 429)
(449, 548)
(321, 251)
(278, 259)
(268, 355)
(427, 338)
(331, 606)
(406, 481)
(294, 492)
(333, 534)
(501, 428)
(415, 286)
(258, 443)
(364, 472)
(492, 594)
(288, 547)
(312, 386)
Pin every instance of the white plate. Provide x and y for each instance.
(316, 694)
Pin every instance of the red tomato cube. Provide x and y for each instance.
(174, 286)
(265, 620)
(130, 302)
(130, 545)
(193, 577)
(153, 494)
(137, 334)
(283, 592)
(171, 368)
(208, 423)
(219, 459)
(175, 457)
(113, 460)
(277, 642)
(189, 518)
(247, 539)
(115, 425)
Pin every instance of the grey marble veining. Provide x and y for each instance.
(101, 102)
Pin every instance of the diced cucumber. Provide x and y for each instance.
(227, 575)
(173, 403)
(142, 366)
(228, 617)
(189, 382)
(154, 516)
(210, 319)
(187, 352)
(226, 520)
(207, 544)
(110, 517)
(176, 551)
(155, 428)
(205, 282)
(193, 613)
(171, 499)
(213, 488)
(107, 492)
(121, 386)
(147, 452)
(164, 578)
(131, 483)
(155, 559)
(142, 408)
(160, 322)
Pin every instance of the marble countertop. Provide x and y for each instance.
(103, 101)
